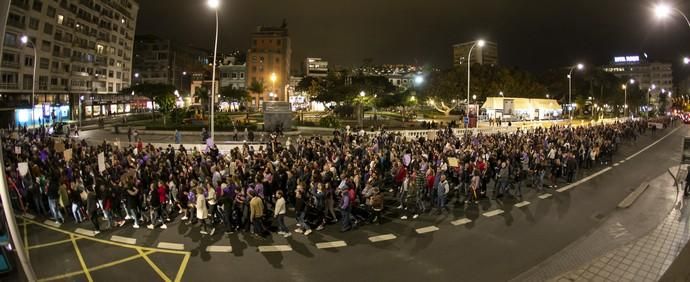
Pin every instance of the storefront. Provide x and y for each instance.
(508, 108)
(44, 113)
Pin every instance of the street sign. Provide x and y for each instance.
(686, 151)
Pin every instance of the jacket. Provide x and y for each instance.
(280, 207)
(256, 208)
(201, 209)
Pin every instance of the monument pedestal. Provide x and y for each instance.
(277, 114)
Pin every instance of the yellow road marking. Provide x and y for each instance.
(81, 259)
(52, 243)
(98, 267)
(26, 239)
(183, 267)
(154, 266)
(109, 242)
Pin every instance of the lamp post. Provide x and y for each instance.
(664, 11)
(214, 4)
(361, 108)
(649, 102)
(570, 88)
(26, 41)
(479, 43)
(81, 100)
(273, 84)
(625, 90)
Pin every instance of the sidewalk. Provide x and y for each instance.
(643, 258)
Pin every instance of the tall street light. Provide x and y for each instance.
(479, 43)
(361, 108)
(625, 90)
(26, 41)
(570, 88)
(214, 4)
(664, 10)
(273, 84)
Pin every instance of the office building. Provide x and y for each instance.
(488, 54)
(269, 57)
(158, 60)
(83, 52)
(233, 73)
(315, 67)
(654, 77)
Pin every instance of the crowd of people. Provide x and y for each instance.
(348, 177)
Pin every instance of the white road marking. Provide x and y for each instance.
(426, 229)
(616, 164)
(522, 204)
(493, 213)
(276, 248)
(384, 237)
(125, 240)
(29, 216)
(219, 249)
(171, 246)
(461, 221)
(583, 180)
(52, 223)
(334, 244)
(83, 231)
(650, 145)
(544, 196)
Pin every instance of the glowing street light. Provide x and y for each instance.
(26, 41)
(625, 92)
(663, 10)
(686, 60)
(214, 4)
(481, 44)
(418, 80)
(570, 84)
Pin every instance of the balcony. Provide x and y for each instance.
(9, 86)
(9, 64)
(80, 73)
(22, 4)
(17, 24)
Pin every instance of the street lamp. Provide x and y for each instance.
(547, 96)
(570, 87)
(625, 90)
(686, 60)
(81, 100)
(501, 93)
(361, 108)
(273, 82)
(479, 43)
(26, 41)
(663, 10)
(418, 80)
(214, 4)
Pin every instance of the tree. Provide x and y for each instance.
(166, 104)
(234, 94)
(443, 89)
(152, 91)
(257, 87)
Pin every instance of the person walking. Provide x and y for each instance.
(345, 210)
(301, 211)
(279, 213)
(132, 204)
(178, 137)
(441, 191)
(256, 213)
(92, 210)
(202, 212)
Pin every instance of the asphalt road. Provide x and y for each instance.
(496, 248)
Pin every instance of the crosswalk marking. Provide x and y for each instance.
(125, 240)
(522, 204)
(84, 232)
(426, 229)
(171, 246)
(493, 213)
(334, 244)
(384, 237)
(276, 248)
(544, 196)
(219, 249)
(461, 221)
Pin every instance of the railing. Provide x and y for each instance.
(9, 86)
(10, 64)
(21, 4)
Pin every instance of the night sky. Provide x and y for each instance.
(531, 34)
